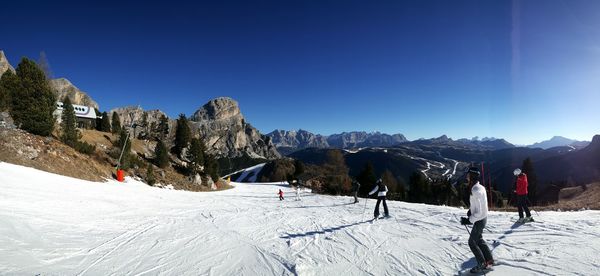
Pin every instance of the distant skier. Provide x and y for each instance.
(355, 188)
(280, 194)
(521, 192)
(298, 190)
(477, 214)
(381, 190)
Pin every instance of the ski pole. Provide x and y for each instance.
(365, 208)
(465, 225)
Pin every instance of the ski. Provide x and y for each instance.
(468, 272)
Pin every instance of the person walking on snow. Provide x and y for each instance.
(298, 190)
(522, 200)
(280, 194)
(355, 188)
(381, 190)
(477, 215)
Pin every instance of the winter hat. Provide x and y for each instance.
(517, 171)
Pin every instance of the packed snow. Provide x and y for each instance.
(249, 174)
(55, 225)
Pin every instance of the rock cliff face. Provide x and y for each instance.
(227, 134)
(288, 142)
(4, 64)
(130, 115)
(219, 122)
(298, 139)
(363, 139)
(291, 141)
(63, 87)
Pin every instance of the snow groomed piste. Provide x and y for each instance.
(55, 225)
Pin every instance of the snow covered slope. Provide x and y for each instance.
(54, 225)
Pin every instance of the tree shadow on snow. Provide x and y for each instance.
(324, 231)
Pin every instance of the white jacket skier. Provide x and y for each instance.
(477, 215)
(479, 204)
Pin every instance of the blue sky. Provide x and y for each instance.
(524, 71)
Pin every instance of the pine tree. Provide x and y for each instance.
(70, 134)
(366, 178)
(162, 156)
(150, 179)
(144, 125)
(211, 167)
(196, 156)
(298, 168)
(396, 188)
(183, 134)
(33, 101)
(163, 127)
(116, 123)
(98, 122)
(105, 123)
(152, 131)
(337, 180)
(420, 190)
(528, 169)
(124, 145)
(8, 83)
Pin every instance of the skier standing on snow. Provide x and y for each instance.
(355, 187)
(298, 190)
(522, 200)
(381, 190)
(477, 215)
(280, 194)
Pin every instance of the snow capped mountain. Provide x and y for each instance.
(55, 225)
(474, 143)
(558, 141)
(358, 139)
(290, 141)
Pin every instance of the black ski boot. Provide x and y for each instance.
(481, 268)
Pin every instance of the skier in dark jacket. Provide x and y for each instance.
(381, 191)
(355, 188)
(522, 200)
(477, 215)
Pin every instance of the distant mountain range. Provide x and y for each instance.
(288, 142)
(559, 141)
(444, 158)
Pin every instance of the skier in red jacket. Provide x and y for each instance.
(280, 194)
(522, 200)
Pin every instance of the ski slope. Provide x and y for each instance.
(55, 225)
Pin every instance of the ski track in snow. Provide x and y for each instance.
(55, 225)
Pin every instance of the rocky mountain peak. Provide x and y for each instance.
(63, 87)
(222, 108)
(595, 142)
(4, 64)
(227, 134)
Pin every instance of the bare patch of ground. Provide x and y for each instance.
(51, 155)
